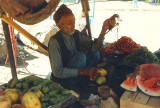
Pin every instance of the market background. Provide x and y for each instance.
(141, 24)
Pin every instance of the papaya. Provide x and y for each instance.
(51, 86)
(45, 89)
(18, 106)
(44, 98)
(35, 88)
(32, 78)
(44, 104)
(103, 72)
(101, 80)
(5, 102)
(20, 97)
(19, 85)
(30, 100)
(65, 92)
(13, 94)
(38, 93)
(1, 92)
(25, 90)
(53, 101)
(12, 82)
(37, 82)
(25, 85)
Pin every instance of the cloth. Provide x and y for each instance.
(58, 69)
(80, 60)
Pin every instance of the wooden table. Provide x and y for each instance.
(138, 100)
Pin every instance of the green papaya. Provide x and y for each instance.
(45, 89)
(101, 80)
(25, 85)
(19, 85)
(12, 82)
(37, 82)
(51, 86)
(35, 88)
(25, 90)
(32, 78)
(53, 101)
(65, 92)
(44, 104)
(44, 98)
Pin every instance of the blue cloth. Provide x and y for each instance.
(80, 60)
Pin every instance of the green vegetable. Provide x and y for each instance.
(51, 86)
(44, 98)
(25, 85)
(53, 101)
(54, 92)
(25, 90)
(19, 85)
(65, 92)
(35, 88)
(44, 104)
(37, 82)
(45, 89)
(141, 56)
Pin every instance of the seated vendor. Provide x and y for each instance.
(69, 64)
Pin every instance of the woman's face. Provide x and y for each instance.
(67, 24)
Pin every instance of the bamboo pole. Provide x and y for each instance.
(24, 32)
(10, 51)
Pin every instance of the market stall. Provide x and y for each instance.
(119, 59)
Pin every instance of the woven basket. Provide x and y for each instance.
(35, 17)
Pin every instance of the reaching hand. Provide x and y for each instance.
(108, 24)
(92, 73)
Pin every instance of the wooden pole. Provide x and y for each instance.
(24, 32)
(9, 47)
(85, 8)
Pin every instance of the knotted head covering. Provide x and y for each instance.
(63, 9)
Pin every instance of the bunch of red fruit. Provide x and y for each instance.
(124, 45)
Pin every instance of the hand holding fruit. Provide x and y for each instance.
(92, 72)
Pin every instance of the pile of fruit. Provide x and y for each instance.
(124, 45)
(31, 92)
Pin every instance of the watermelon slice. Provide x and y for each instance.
(130, 84)
(150, 86)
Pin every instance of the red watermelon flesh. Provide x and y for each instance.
(148, 70)
(149, 86)
(130, 84)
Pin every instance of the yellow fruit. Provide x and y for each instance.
(5, 102)
(103, 72)
(101, 80)
(13, 94)
(38, 93)
(30, 100)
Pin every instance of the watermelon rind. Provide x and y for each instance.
(129, 85)
(129, 88)
(147, 90)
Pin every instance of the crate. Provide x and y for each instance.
(138, 100)
(63, 104)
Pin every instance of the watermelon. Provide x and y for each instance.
(150, 86)
(130, 84)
